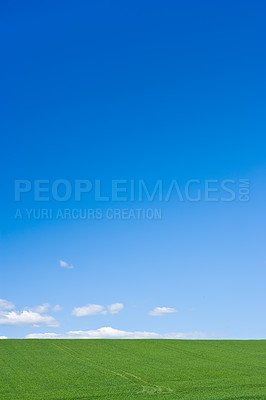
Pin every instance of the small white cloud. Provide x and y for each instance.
(57, 308)
(43, 336)
(161, 311)
(115, 308)
(6, 305)
(89, 309)
(24, 318)
(64, 264)
(111, 333)
(3, 337)
(39, 309)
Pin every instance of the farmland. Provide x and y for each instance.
(132, 369)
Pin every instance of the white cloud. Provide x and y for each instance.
(57, 308)
(115, 308)
(6, 305)
(89, 309)
(64, 264)
(111, 333)
(24, 318)
(161, 311)
(39, 309)
(3, 337)
(45, 336)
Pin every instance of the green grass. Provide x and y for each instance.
(132, 369)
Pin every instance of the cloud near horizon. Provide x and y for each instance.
(111, 333)
(161, 311)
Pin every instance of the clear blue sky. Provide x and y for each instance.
(139, 90)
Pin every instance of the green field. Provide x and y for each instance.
(132, 369)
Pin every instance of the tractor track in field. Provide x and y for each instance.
(147, 387)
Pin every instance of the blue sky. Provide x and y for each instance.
(134, 91)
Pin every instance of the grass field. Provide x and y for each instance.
(132, 369)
